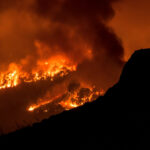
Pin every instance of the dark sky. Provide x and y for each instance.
(132, 24)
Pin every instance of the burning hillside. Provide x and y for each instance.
(43, 69)
(35, 90)
(55, 55)
(55, 66)
(73, 97)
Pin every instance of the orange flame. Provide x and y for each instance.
(75, 100)
(56, 65)
(72, 100)
(40, 103)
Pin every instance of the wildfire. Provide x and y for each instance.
(36, 106)
(70, 99)
(40, 103)
(56, 65)
(80, 97)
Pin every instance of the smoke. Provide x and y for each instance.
(132, 17)
(36, 29)
(69, 26)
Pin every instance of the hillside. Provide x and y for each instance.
(119, 118)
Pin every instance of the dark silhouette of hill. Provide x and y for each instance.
(118, 120)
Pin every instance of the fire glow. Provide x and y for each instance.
(80, 97)
(55, 55)
(55, 66)
(44, 69)
(70, 99)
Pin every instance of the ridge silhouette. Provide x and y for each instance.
(118, 120)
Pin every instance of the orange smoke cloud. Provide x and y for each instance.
(132, 24)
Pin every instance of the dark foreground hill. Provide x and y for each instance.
(118, 120)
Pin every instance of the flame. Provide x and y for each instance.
(10, 78)
(71, 99)
(75, 100)
(56, 65)
(40, 103)
(36, 106)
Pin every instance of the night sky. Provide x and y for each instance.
(132, 24)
